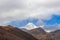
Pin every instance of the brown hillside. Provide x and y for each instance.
(40, 34)
(12, 33)
(4, 35)
(55, 35)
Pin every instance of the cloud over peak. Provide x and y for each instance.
(22, 9)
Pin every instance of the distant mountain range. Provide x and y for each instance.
(40, 34)
(29, 32)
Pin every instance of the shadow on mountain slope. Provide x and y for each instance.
(12, 33)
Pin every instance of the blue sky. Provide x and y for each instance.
(21, 23)
(55, 19)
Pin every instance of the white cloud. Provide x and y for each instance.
(50, 28)
(12, 9)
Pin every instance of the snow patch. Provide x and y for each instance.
(30, 26)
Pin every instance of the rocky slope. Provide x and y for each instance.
(12, 33)
(37, 32)
(40, 34)
(55, 35)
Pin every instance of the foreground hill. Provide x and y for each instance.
(12, 33)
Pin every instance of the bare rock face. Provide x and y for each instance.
(55, 35)
(40, 34)
(12, 33)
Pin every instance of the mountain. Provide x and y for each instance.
(55, 35)
(4, 35)
(13, 33)
(37, 32)
(40, 34)
(34, 33)
(30, 26)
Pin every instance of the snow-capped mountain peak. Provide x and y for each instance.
(30, 26)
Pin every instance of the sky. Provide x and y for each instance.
(21, 12)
